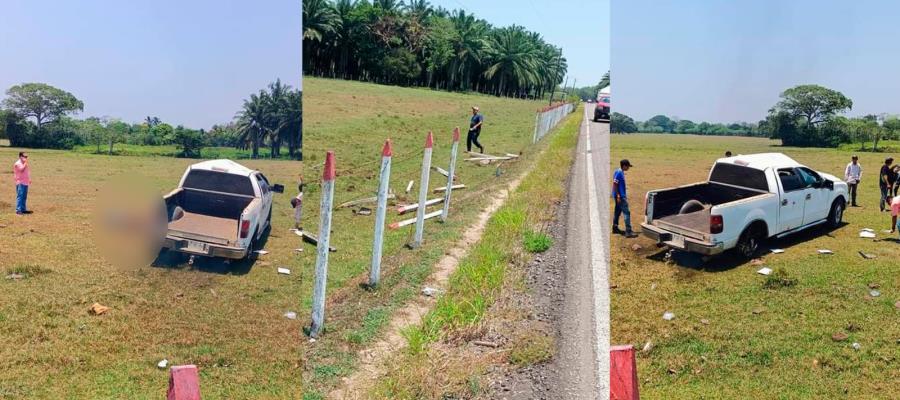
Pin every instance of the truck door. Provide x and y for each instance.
(265, 194)
(793, 199)
(817, 196)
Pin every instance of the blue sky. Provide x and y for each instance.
(580, 27)
(728, 61)
(186, 62)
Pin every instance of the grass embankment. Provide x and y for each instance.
(439, 362)
(736, 333)
(354, 119)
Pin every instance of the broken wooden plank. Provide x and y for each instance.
(411, 221)
(512, 155)
(363, 201)
(415, 206)
(441, 171)
(488, 158)
(485, 343)
(444, 188)
(409, 186)
(309, 238)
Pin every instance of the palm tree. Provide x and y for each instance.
(318, 19)
(252, 120)
(511, 58)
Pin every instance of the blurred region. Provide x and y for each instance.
(130, 220)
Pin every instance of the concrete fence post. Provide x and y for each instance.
(184, 383)
(318, 311)
(450, 174)
(537, 120)
(423, 191)
(623, 379)
(380, 211)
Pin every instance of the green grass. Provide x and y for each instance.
(764, 337)
(537, 242)
(122, 149)
(477, 283)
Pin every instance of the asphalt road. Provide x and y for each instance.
(583, 347)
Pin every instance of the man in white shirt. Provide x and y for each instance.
(852, 175)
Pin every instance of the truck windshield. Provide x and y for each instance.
(739, 175)
(218, 182)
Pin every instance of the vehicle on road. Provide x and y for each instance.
(602, 110)
(746, 200)
(220, 209)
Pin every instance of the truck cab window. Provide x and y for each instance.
(810, 178)
(790, 180)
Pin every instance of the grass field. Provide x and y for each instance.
(122, 149)
(229, 321)
(733, 336)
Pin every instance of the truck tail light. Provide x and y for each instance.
(245, 228)
(716, 224)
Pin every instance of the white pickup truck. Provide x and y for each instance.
(220, 209)
(747, 199)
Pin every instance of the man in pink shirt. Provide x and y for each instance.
(895, 211)
(22, 175)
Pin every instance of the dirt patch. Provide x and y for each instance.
(371, 359)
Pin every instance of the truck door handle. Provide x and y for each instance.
(808, 196)
(784, 202)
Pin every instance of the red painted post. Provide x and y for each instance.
(623, 380)
(184, 383)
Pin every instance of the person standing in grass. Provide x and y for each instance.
(895, 210)
(852, 175)
(297, 205)
(884, 182)
(620, 196)
(22, 176)
(474, 130)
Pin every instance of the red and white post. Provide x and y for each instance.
(318, 311)
(450, 173)
(423, 191)
(380, 211)
(184, 383)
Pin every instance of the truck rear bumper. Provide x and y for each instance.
(211, 250)
(685, 243)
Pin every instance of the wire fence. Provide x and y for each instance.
(548, 117)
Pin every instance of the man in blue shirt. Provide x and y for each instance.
(619, 194)
(474, 131)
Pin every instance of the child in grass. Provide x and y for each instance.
(297, 204)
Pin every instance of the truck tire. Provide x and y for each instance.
(836, 215)
(748, 244)
(691, 206)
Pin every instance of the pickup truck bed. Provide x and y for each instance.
(697, 221)
(205, 227)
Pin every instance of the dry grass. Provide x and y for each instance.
(757, 342)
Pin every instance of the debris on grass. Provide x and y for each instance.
(867, 234)
(764, 271)
(484, 343)
(839, 336)
(409, 186)
(647, 347)
(430, 291)
(825, 251)
(98, 309)
(636, 247)
(363, 211)
(284, 271)
(867, 230)
(757, 261)
(298, 250)
(874, 293)
(14, 276)
(867, 256)
(873, 285)
(704, 321)
(290, 315)
(857, 346)
(668, 316)
(261, 252)
(363, 201)
(162, 364)
(777, 251)
(758, 310)
(653, 286)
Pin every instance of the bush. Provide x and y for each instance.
(779, 279)
(537, 242)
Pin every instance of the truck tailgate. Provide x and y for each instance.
(694, 225)
(206, 228)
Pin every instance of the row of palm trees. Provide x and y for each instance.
(273, 117)
(415, 44)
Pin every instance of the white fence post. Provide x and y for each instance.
(318, 311)
(380, 211)
(450, 173)
(423, 191)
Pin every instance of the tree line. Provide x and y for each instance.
(804, 116)
(38, 115)
(415, 44)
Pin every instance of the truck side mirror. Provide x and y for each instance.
(278, 188)
(829, 184)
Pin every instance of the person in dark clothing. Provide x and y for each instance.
(620, 195)
(728, 153)
(474, 131)
(885, 181)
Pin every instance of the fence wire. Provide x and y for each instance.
(547, 119)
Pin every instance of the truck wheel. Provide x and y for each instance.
(836, 216)
(748, 243)
(691, 206)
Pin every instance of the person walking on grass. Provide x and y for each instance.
(620, 195)
(885, 182)
(474, 131)
(22, 176)
(852, 175)
(297, 205)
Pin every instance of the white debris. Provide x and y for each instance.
(261, 252)
(668, 316)
(867, 234)
(857, 346)
(825, 251)
(764, 271)
(284, 271)
(777, 251)
(648, 346)
(163, 364)
(298, 250)
(868, 230)
(886, 231)
(430, 291)
(874, 293)
(290, 315)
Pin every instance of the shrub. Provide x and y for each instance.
(537, 242)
